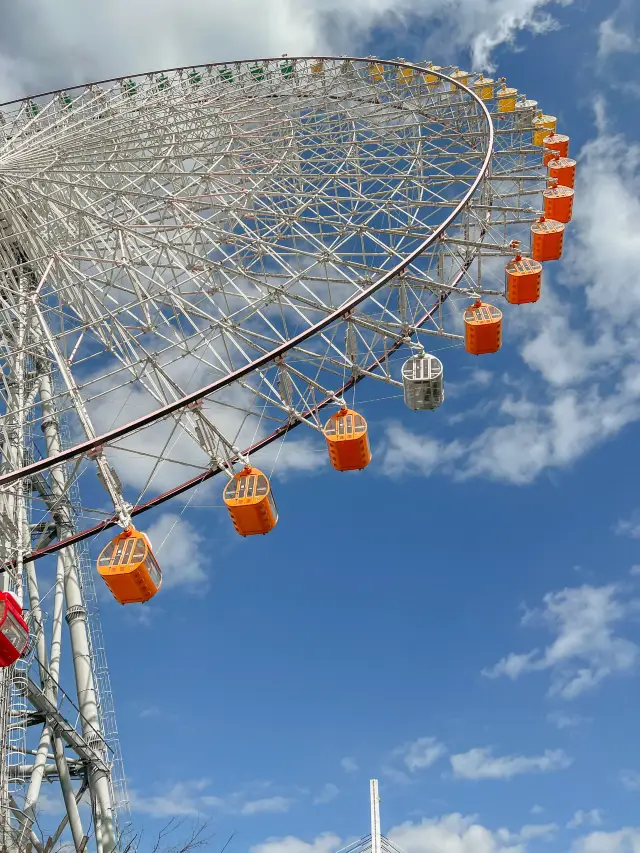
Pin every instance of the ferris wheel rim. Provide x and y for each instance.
(193, 482)
(323, 57)
(98, 442)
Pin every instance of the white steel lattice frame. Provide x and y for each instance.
(192, 263)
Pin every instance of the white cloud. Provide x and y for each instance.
(414, 755)
(452, 833)
(625, 840)
(189, 798)
(399, 777)
(328, 793)
(629, 526)
(614, 39)
(599, 265)
(421, 753)
(49, 803)
(254, 799)
(543, 831)
(592, 817)
(138, 464)
(152, 711)
(628, 87)
(407, 452)
(349, 764)
(630, 779)
(536, 809)
(87, 45)
(456, 833)
(241, 803)
(562, 720)
(181, 552)
(289, 455)
(563, 355)
(585, 650)
(182, 799)
(328, 842)
(479, 763)
(267, 805)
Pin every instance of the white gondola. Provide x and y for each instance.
(525, 113)
(422, 377)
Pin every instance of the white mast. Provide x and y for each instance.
(376, 837)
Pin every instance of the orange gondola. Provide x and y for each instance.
(482, 328)
(129, 568)
(558, 203)
(523, 280)
(555, 145)
(563, 169)
(347, 441)
(250, 502)
(547, 238)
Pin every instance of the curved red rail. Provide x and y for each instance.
(212, 472)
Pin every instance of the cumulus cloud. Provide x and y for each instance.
(562, 720)
(181, 551)
(480, 763)
(413, 755)
(328, 793)
(626, 840)
(616, 34)
(583, 382)
(585, 650)
(630, 779)
(191, 798)
(49, 803)
(151, 711)
(629, 526)
(543, 831)
(452, 833)
(457, 833)
(421, 753)
(181, 799)
(328, 842)
(91, 43)
(349, 764)
(592, 817)
(267, 805)
(164, 454)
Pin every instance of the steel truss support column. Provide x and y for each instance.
(76, 617)
(16, 324)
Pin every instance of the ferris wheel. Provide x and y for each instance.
(192, 264)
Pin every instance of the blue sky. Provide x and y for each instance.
(460, 620)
